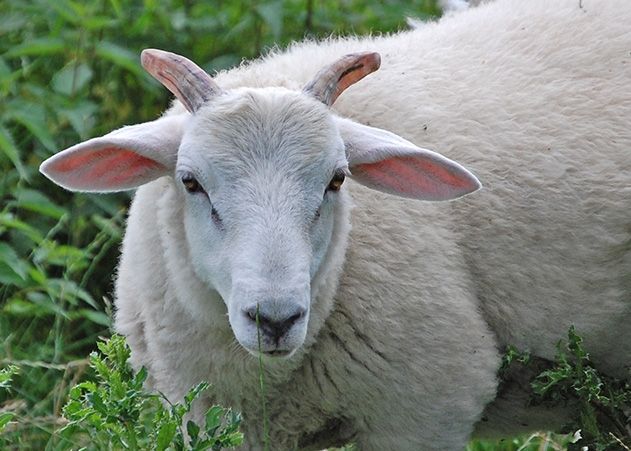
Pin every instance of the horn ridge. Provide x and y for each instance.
(332, 80)
(185, 79)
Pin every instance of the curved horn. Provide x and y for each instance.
(190, 83)
(331, 81)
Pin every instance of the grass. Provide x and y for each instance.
(266, 439)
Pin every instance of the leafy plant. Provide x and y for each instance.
(538, 441)
(116, 412)
(605, 403)
(512, 356)
(603, 419)
(6, 375)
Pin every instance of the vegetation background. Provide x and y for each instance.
(69, 70)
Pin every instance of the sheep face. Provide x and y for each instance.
(259, 172)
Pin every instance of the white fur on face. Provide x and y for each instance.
(259, 233)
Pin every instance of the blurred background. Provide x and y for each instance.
(69, 70)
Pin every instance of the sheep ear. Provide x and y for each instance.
(121, 160)
(386, 162)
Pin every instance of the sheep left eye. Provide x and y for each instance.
(191, 184)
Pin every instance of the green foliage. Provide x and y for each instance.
(117, 413)
(603, 418)
(511, 356)
(540, 441)
(605, 403)
(6, 374)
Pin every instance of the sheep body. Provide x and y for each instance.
(405, 340)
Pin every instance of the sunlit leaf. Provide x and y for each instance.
(81, 117)
(116, 5)
(108, 226)
(5, 70)
(272, 14)
(13, 270)
(10, 257)
(179, 19)
(32, 116)
(223, 62)
(5, 417)
(70, 11)
(68, 290)
(70, 257)
(99, 23)
(95, 316)
(8, 148)
(9, 221)
(119, 56)
(166, 432)
(38, 47)
(72, 78)
(38, 202)
(36, 305)
(12, 21)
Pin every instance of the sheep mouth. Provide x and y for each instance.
(273, 354)
(278, 353)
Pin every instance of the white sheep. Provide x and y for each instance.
(387, 333)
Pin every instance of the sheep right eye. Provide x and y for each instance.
(191, 184)
(336, 182)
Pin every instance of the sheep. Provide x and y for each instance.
(381, 319)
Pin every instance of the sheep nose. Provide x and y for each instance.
(274, 325)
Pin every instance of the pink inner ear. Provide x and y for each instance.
(106, 169)
(416, 177)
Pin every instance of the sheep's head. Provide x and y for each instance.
(260, 176)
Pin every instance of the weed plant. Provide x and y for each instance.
(602, 421)
(114, 411)
(604, 416)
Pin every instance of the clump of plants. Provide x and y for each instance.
(603, 418)
(116, 412)
(6, 374)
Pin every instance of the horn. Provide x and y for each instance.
(189, 82)
(331, 81)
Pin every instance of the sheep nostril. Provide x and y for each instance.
(252, 314)
(273, 326)
(293, 318)
(256, 316)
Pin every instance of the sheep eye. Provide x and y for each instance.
(191, 184)
(336, 182)
(216, 218)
